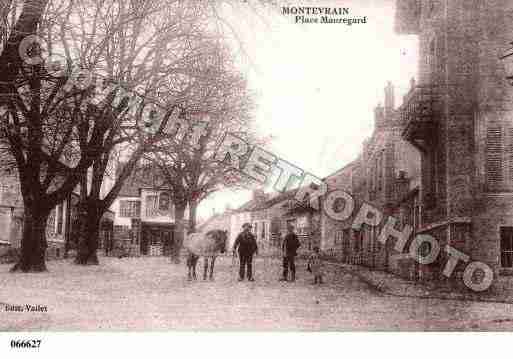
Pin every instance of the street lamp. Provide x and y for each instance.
(507, 57)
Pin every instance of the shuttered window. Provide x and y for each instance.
(499, 157)
(509, 157)
(506, 247)
(151, 206)
(380, 170)
(494, 176)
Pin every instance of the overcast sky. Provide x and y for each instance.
(318, 84)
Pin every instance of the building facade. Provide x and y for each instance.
(270, 214)
(62, 225)
(144, 218)
(459, 117)
(385, 175)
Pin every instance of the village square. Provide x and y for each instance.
(138, 190)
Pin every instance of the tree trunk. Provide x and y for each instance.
(90, 218)
(193, 206)
(33, 241)
(179, 233)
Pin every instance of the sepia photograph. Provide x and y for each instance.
(237, 166)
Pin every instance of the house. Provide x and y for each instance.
(385, 175)
(336, 235)
(269, 215)
(459, 117)
(442, 161)
(144, 216)
(62, 223)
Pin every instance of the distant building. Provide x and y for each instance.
(386, 175)
(269, 215)
(144, 216)
(62, 225)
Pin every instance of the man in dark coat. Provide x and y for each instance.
(247, 246)
(289, 247)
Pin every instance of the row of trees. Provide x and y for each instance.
(60, 137)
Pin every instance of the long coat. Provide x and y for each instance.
(246, 244)
(290, 245)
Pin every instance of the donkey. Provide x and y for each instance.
(208, 246)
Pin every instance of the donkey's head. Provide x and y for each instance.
(220, 238)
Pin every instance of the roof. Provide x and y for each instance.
(139, 179)
(247, 207)
(254, 205)
(350, 164)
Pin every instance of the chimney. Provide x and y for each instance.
(389, 98)
(259, 195)
(379, 116)
(412, 83)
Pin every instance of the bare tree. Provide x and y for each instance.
(217, 103)
(28, 94)
(53, 131)
(169, 40)
(56, 131)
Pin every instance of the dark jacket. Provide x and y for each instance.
(246, 244)
(290, 245)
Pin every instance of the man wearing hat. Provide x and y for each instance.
(247, 246)
(290, 246)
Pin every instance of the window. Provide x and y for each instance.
(380, 171)
(129, 209)
(151, 206)
(50, 224)
(338, 237)
(263, 230)
(499, 157)
(346, 240)
(357, 241)
(371, 178)
(376, 173)
(376, 244)
(164, 201)
(494, 156)
(60, 217)
(416, 217)
(432, 53)
(506, 247)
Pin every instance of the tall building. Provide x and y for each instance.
(386, 175)
(459, 116)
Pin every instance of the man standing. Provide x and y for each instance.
(247, 246)
(289, 249)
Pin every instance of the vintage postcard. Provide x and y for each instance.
(255, 165)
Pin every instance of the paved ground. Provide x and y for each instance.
(152, 294)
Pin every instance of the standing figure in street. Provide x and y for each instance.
(247, 246)
(289, 248)
(315, 265)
